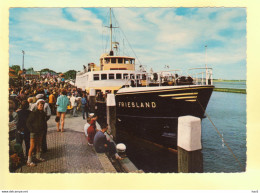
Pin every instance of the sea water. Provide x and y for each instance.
(228, 113)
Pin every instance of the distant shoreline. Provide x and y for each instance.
(219, 80)
(232, 90)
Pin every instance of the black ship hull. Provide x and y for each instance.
(152, 114)
(164, 103)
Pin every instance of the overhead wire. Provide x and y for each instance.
(104, 29)
(126, 39)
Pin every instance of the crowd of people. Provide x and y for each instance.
(31, 104)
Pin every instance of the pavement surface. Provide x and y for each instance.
(68, 152)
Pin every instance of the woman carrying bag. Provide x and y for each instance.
(62, 103)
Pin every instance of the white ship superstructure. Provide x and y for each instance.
(112, 73)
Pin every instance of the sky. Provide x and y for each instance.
(63, 39)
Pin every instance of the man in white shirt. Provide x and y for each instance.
(58, 79)
(73, 103)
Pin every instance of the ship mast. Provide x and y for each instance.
(111, 31)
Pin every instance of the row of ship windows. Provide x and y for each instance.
(119, 60)
(117, 76)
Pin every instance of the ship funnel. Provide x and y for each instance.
(111, 53)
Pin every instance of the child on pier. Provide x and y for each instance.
(86, 126)
(92, 130)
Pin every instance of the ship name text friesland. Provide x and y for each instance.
(137, 104)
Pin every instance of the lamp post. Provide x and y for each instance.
(23, 59)
(206, 56)
(206, 64)
(23, 67)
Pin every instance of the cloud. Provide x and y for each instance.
(131, 20)
(67, 38)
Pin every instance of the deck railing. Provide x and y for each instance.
(202, 76)
(199, 76)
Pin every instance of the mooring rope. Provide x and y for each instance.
(221, 137)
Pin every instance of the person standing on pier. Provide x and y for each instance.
(52, 101)
(102, 144)
(58, 80)
(13, 120)
(73, 103)
(37, 124)
(31, 104)
(47, 110)
(84, 106)
(23, 134)
(86, 126)
(62, 103)
(62, 81)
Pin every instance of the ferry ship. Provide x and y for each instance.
(148, 104)
(112, 73)
(151, 112)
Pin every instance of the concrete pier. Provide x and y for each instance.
(109, 107)
(69, 152)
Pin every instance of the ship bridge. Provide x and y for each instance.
(108, 62)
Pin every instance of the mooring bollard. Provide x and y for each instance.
(92, 100)
(111, 114)
(190, 159)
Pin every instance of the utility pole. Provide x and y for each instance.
(23, 68)
(23, 59)
(206, 56)
(206, 64)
